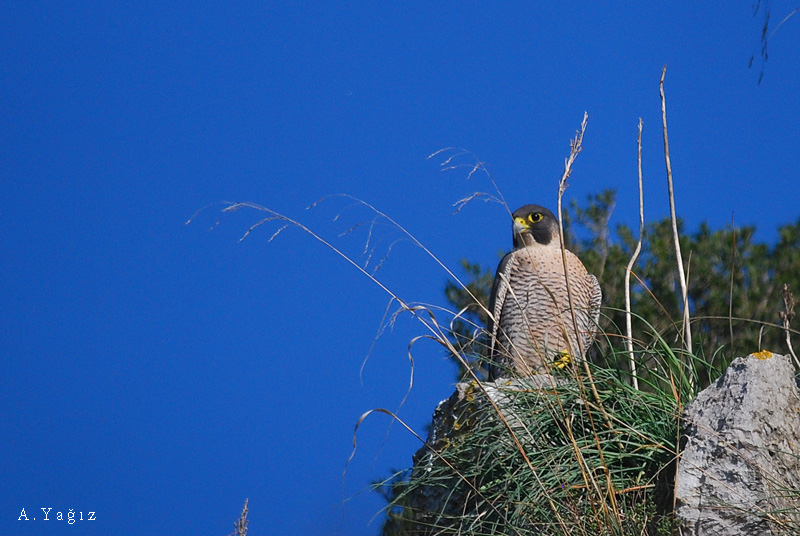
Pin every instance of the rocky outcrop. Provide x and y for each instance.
(739, 470)
(508, 457)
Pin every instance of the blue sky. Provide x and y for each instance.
(158, 373)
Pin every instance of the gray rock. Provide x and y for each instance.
(739, 472)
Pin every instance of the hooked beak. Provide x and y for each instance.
(520, 225)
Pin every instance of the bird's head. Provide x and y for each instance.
(534, 224)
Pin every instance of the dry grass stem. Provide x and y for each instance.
(240, 526)
(628, 326)
(733, 269)
(787, 315)
(687, 328)
(452, 162)
(421, 313)
(576, 146)
(433, 451)
(787, 17)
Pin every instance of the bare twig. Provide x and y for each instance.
(629, 339)
(687, 328)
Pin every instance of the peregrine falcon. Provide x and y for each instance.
(530, 318)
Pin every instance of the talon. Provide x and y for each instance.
(562, 361)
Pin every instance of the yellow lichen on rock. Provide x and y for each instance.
(763, 354)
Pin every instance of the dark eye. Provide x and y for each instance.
(536, 217)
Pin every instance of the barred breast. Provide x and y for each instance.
(534, 323)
